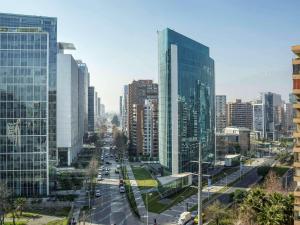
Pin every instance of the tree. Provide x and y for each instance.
(20, 203)
(115, 120)
(273, 183)
(218, 214)
(263, 208)
(4, 201)
(239, 195)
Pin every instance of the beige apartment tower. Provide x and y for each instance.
(296, 133)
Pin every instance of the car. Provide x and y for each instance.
(108, 163)
(107, 169)
(117, 171)
(99, 178)
(122, 189)
(106, 173)
(184, 218)
(97, 193)
(118, 166)
(121, 182)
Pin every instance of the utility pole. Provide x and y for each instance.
(200, 185)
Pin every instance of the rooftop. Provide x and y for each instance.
(168, 179)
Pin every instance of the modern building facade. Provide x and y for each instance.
(296, 134)
(186, 102)
(27, 103)
(240, 114)
(91, 109)
(83, 87)
(221, 115)
(258, 120)
(138, 92)
(69, 135)
(272, 104)
(150, 127)
(125, 110)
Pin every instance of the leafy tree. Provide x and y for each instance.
(115, 120)
(239, 195)
(263, 208)
(4, 201)
(218, 214)
(20, 203)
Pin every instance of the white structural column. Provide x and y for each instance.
(174, 107)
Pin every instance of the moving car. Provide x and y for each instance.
(99, 178)
(117, 171)
(121, 182)
(97, 193)
(184, 218)
(106, 173)
(122, 189)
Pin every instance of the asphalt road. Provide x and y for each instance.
(112, 207)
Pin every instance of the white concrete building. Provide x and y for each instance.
(258, 120)
(69, 142)
(220, 113)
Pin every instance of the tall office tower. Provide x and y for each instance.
(271, 102)
(258, 119)
(98, 107)
(83, 86)
(69, 140)
(288, 119)
(296, 134)
(27, 103)
(220, 113)
(239, 114)
(150, 127)
(102, 109)
(186, 101)
(120, 110)
(138, 91)
(125, 110)
(91, 109)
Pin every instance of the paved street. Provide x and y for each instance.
(112, 207)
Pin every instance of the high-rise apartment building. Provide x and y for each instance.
(288, 119)
(69, 138)
(28, 51)
(221, 116)
(102, 110)
(186, 101)
(150, 127)
(92, 110)
(240, 114)
(138, 92)
(125, 110)
(296, 134)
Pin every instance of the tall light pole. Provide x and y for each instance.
(200, 185)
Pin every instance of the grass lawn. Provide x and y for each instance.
(143, 178)
(17, 223)
(59, 212)
(280, 170)
(59, 222)
(156, 206)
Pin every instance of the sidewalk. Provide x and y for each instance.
(137, 195)
(78, 203)
(171, 215)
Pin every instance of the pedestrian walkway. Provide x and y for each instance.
(171, 215)
(137, 194)
(78, 203)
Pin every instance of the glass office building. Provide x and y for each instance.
(27, 102)
(186, 102)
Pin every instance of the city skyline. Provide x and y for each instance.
(243, 64)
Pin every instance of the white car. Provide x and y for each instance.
(122, 189)
(97, 193)
(99, 178)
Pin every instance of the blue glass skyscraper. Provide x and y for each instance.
(186, 101)
(28, 49)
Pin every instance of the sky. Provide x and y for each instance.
(249, 40)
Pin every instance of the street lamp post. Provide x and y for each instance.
(200, 185)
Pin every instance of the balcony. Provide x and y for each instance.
(296, 120)
(296, 134)
(296, 149)
(297, 178)
(296, 49)
(296, 91)
(297, 164)
(296, 222)
(296, 106)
